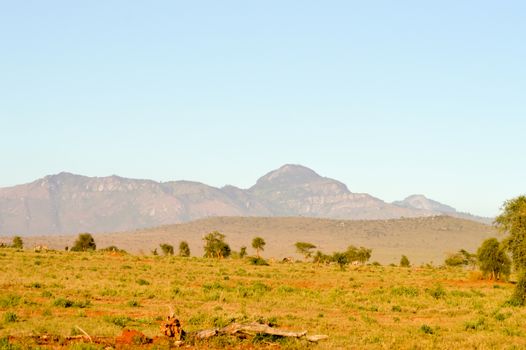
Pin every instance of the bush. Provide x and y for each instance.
(17, 242)
(85, 242)
(113, 249)
(10, 317)
(404, 261)
(255, 260)
(243, 252)
(167, 249)
(519, 294)
(184, 249)
(342, 259)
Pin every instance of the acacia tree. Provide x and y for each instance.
(258, 244)
(512, 221)
(85, 242)
(215, 245)
(305, 249)
(184, 249)
(493, 260)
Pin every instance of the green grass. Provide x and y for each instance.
(367, 307)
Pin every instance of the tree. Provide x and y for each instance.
(404, 261)
(85, 242)
(258, 244)
(305, 249)
(18, 243)
(512, 221)
(215, 246)
(493, 259)
(184, 249)
(342, 259)
(167, 249)
(321, 258)
(242, 252)
(363, 255)
(461, 258)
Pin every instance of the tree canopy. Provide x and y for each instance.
(512, 221)
(493, 260)
(17, 242)
(85, 242)
(215, 245)
(167, 249)
(258, 244)
(305, 249)
(184, 249)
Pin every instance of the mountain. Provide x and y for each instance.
(69, 203)
(421, 202)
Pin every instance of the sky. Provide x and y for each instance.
(390, 97)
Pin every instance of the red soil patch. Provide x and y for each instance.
(131, 336)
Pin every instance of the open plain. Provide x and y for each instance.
(51, 295)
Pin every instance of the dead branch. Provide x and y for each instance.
(85, 333)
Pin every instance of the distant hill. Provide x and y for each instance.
(421, 202)
(421, 239)
(68, 203)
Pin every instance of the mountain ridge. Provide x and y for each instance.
(70, 203)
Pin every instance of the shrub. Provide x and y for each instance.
(437, 292)
(63, 302)
(113, 249)
(10, 300)
(427, 329)
(184, 249)
(17, 242)
(519, 294)
(342, 259)
(10, 317)
(167, 249)
(142, 282)
(85, 242)
(243, 252)
(255, 260)
(404, 261)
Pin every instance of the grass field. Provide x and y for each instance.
(367, 307)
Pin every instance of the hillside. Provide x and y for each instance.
(68, 203)
(422, 239)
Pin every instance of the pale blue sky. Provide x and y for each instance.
(390, 97)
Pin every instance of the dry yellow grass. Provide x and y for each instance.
(368, 307)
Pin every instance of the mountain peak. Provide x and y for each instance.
(419, 201)
(289, 173)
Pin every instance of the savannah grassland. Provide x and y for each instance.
(365, 307)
